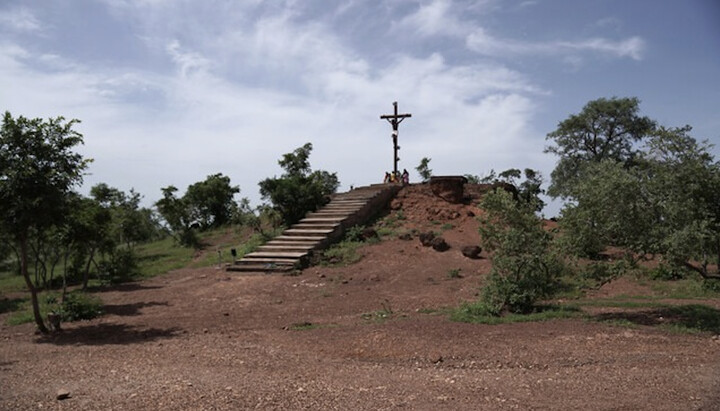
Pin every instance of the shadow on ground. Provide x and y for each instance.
(125, 287)
(108, 334)
(130, 309)
(9, 305)
(694, 317)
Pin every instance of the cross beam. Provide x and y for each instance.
(395, 120)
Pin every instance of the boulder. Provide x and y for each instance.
(471, 251)
(439, 244)
(426, 238)
(405, 236)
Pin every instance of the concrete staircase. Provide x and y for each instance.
(294, 247)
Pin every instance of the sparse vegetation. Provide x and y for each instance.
(454, 273)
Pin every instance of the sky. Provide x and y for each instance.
(171, 91)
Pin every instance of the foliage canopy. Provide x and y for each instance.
(299, 189)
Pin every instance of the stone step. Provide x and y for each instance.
(276, 254)
(266, 247)
(314, 226)
(307, 232)
(363, 198)
(315, 238)
(290, 242)
(346, 203)
(339, 209)
(320, 220)
(290, 249)
(258, 268)
(265, 260)
(329, 214)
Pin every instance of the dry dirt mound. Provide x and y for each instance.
(368, 336)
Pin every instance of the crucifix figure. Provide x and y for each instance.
(395, 120)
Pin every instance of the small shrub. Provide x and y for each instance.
(122, 266)
(354, 233)
(77, 306)
(516, 283)
(341, 254)
(668, 272)
(711, 285)
(600, 273)
(454, 273)
(80, 306)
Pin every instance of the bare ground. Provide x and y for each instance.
(368, 336)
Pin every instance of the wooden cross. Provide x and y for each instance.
(395, 120)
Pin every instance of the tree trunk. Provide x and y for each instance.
(33, 291)
(86, 274)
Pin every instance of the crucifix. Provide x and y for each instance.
(395, 120)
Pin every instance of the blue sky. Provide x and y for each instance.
(172, 91)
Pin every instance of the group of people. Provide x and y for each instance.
(394, 178)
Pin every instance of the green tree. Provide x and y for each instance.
(667, 204)
(38, 170)
(605, 129)
(212, 201)
(424, 169)
(299, 189)
(525, 267)
(177, 215)
(527, 190)
(206, 204)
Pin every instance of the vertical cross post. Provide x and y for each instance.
(395, 119)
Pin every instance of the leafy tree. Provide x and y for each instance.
(424, 170)
(90, 227)
(527, 191)
(605, 129)
(525, 267)
(668, 203)
(176, 214)
(211, 201)
(206, 204)
(38, 170)
(299, 189)
(131, 223)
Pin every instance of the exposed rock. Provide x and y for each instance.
(439, 244)
(426, 238)
(449, 188)
(471, 251)
(62, 394)
(470, 213)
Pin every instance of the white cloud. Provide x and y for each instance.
(483, 43)
(233, 98)
(436, 17)
(19, 19)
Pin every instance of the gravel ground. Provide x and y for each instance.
(368, 336)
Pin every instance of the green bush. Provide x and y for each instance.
(667, 272)
(525, 265)
(80, 306)
(122, 266)
(354, 233)
(516, 283)
(601, 273)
